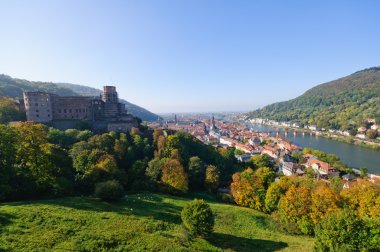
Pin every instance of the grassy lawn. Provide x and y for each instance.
(140, 222)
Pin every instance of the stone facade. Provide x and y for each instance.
(104, 112)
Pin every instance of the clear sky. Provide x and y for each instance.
(190, 55)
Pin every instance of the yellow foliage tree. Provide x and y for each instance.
(363, 197)
(294, 209)
(248, 190)
(324, 201)
(174, 178)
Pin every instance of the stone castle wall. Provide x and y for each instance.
(104, 112)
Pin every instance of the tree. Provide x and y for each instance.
(363, 172)
(110, 190)
(275, 192)
(174, 178)
(154, 170)
(157, 133)
(363, 198)
(248, 190)
(9, 111)
(135, 131)
(266, 175)
(160, 152)
(212, 178)
(261, 161)
(343, 231)
(196, 173)
(336, 183)
(372, 134)
(8, 148)
(294, 208)
(136, 175)
(176, 155)
(33, 154)
(198, 218)
(324, 201)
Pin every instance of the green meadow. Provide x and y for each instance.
(139, 222)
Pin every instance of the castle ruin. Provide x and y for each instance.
(104, 112)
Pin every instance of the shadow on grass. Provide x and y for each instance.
(5, 219)
(137, 204)
(230, 242)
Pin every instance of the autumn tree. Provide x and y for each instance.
(157, 133)
(212, 178)
(372, 134)
(248, 190)
(34, 151)
(266, 175)
(363, 198)
(174, 178)
(160, 148)
(275, 192)
(324, 201)
(294, 209)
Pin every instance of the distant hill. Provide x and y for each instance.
(339, 104)
(12, 87)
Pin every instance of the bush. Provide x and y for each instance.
(344, 231)
(198, 218)
(110, 190)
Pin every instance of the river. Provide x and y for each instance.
(352, 155)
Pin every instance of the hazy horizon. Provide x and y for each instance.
(190, 57)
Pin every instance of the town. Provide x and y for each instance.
(247, 143)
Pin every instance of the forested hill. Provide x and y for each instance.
(12, 87)
(339, 104)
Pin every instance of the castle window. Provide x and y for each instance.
(48, 115)
(38, 115)
(36, 104)
(59, 111)
(36, 110)
(70, 110)
(48, 110)
(64, 111)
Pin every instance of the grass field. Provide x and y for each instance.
(140, 222)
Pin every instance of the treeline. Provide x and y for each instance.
(340, 104)
(341, 219)
(37, 161)
(9, 111)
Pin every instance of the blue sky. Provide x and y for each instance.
(190, 56)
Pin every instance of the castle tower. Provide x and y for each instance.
(38, 106)
(112, 106)
(109, 94)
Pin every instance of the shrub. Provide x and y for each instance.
(198, 218)
(110, 190)
(343, 231)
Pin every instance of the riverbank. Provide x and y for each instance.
(365, 143)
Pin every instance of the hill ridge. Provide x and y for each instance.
(339, 104)
(13, 87)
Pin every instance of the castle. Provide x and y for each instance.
(103, 113)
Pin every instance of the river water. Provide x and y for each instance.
(352, 155)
